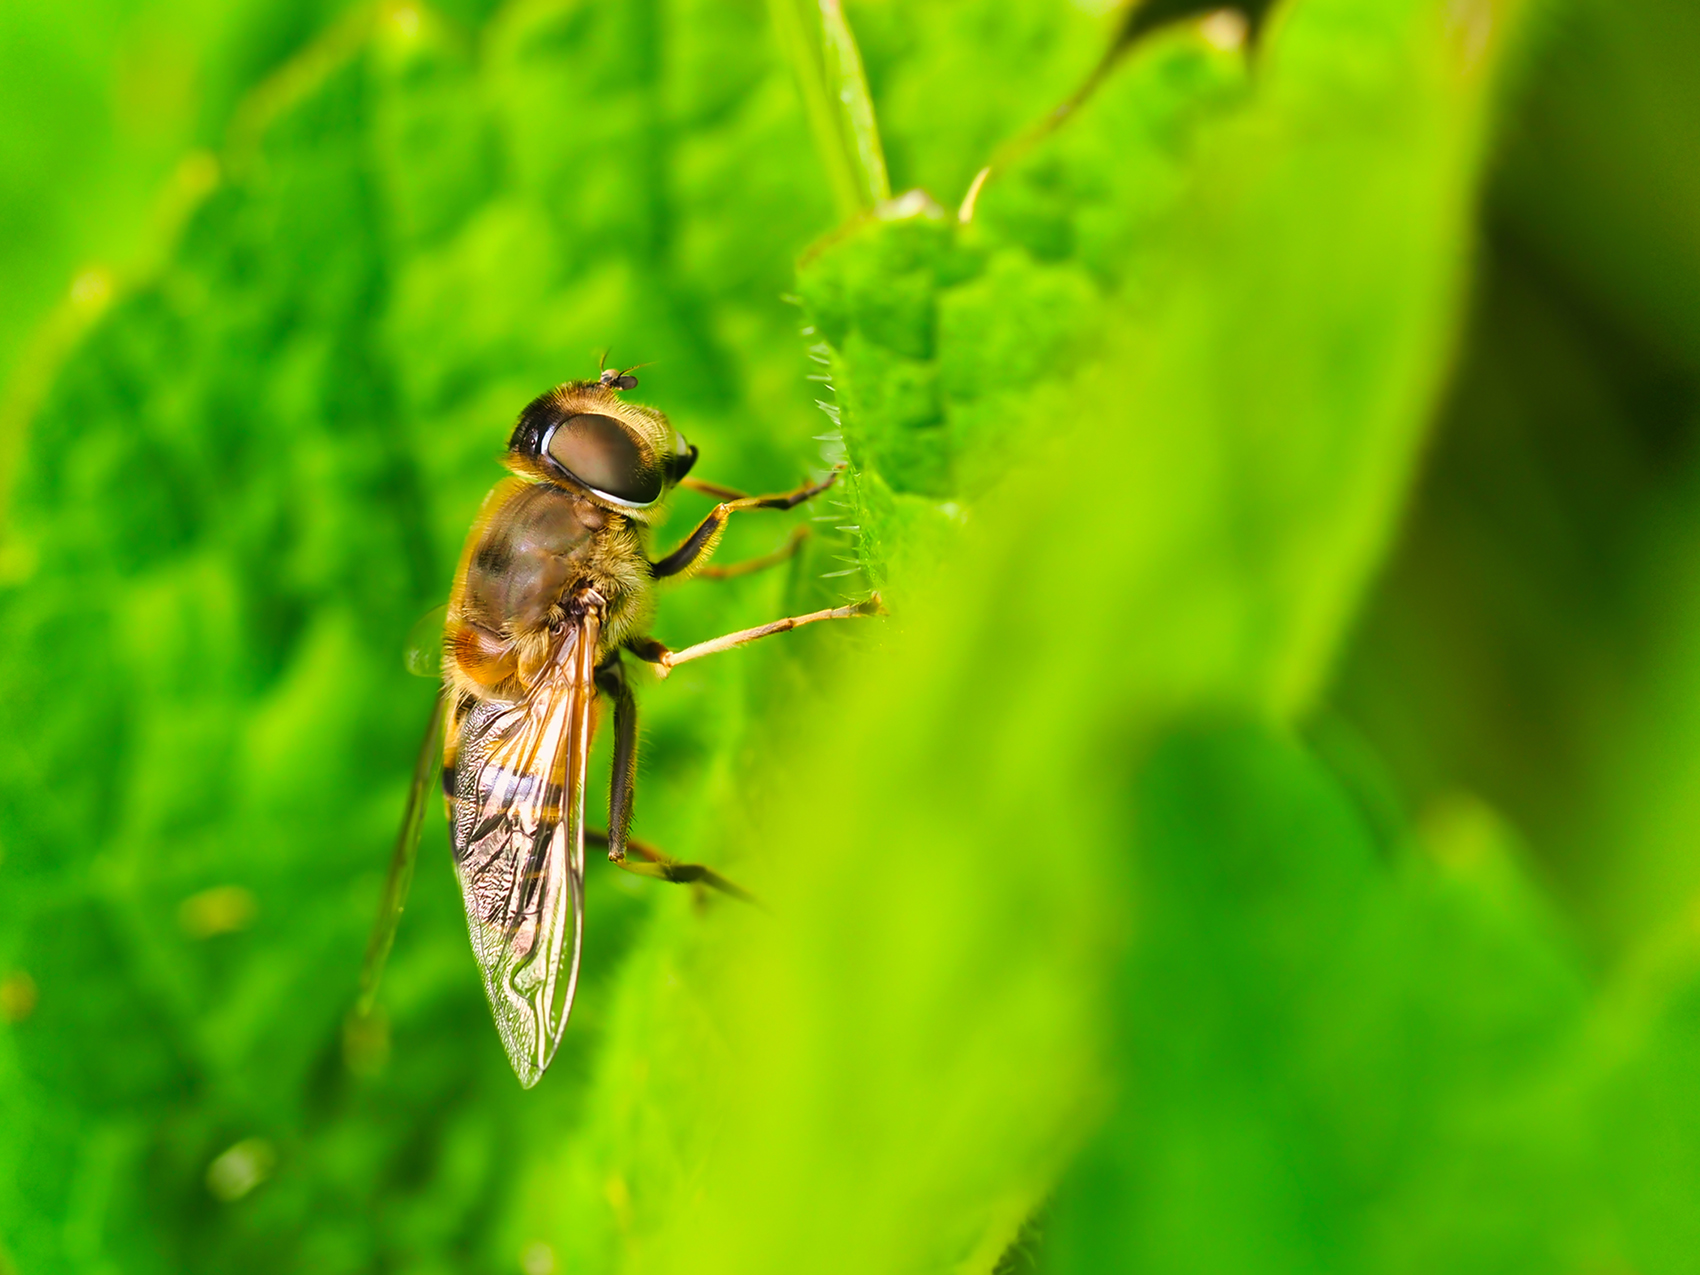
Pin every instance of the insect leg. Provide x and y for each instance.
(402, 859)
(749, 566)
(700, 543)
(714, 489)
(666, 660)
(611, 678)
(652, 863)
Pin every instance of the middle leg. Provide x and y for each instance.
(701, 542)
(749, 566)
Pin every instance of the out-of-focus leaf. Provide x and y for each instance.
(1597, 185)
(111, 112)
(1331, 1061)
(1646, 1127)
(1534, 637)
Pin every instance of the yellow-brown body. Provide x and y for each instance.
(539, 539)
(533, 544)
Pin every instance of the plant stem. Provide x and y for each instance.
(816, 40)
(856, 107)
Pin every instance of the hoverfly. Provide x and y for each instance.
(555, 588)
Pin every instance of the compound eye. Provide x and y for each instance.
(679, 464)
(599, 452)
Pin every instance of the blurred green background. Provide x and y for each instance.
(1262, 836)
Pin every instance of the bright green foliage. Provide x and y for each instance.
(246, 484)
(1539, 637)
(1362, 1063)
(1125, 908)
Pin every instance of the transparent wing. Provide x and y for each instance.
(518, 828)
(423, 654)
(402, 859)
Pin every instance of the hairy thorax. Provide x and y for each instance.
(536, 546)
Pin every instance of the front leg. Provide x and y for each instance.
(700, 543)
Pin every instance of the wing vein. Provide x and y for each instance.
(519, 844)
